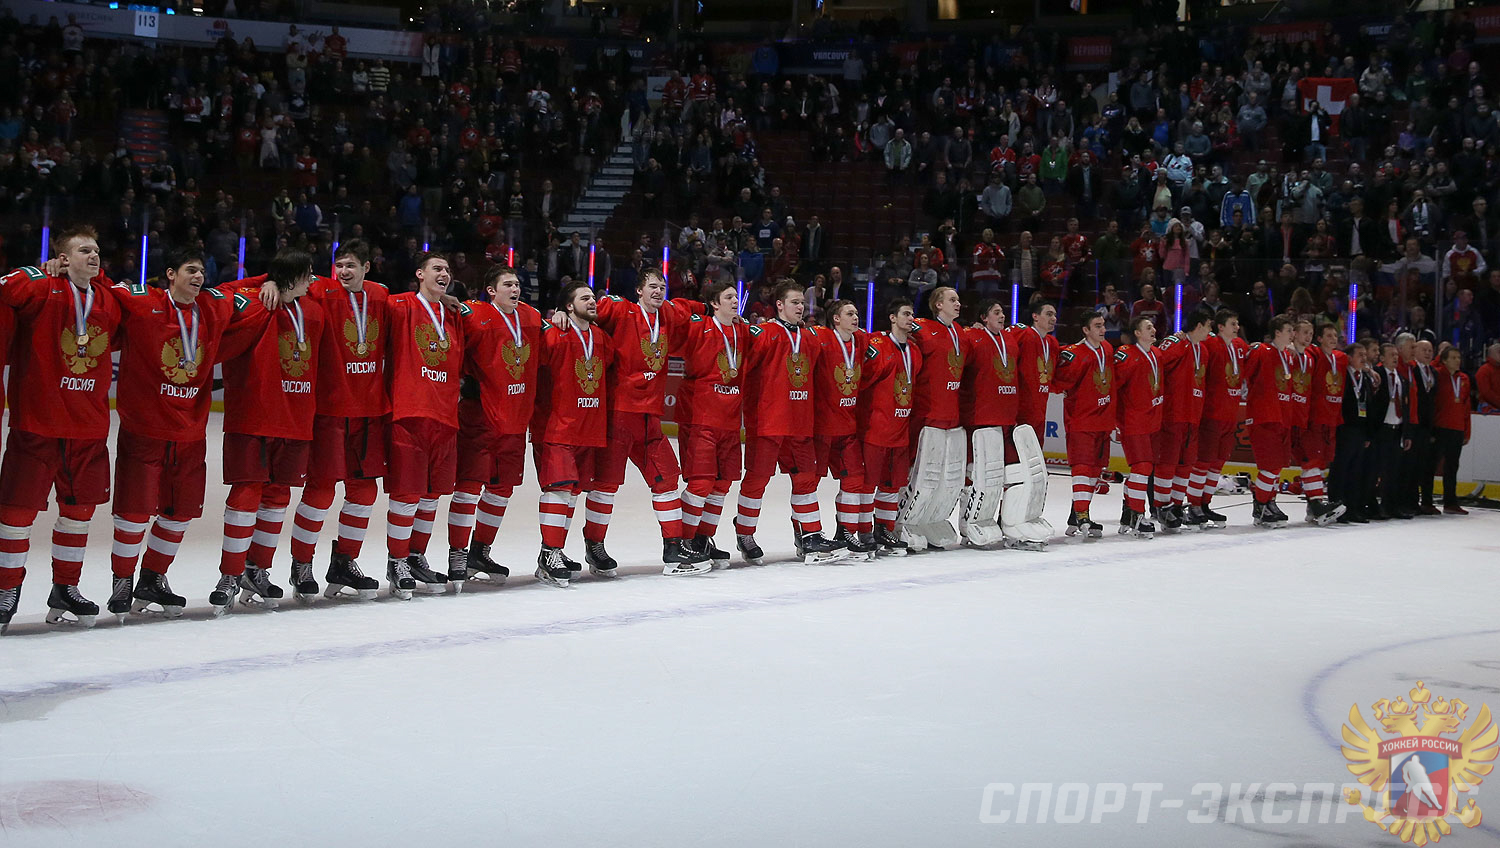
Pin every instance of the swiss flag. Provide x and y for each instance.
(1331, 92)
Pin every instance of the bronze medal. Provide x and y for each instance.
(362, 348)
(443, 344)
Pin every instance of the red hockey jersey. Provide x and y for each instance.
(778, 380)
(501, 352)
(351, 364)
(990, 394)
(836, 377)
(1328, 375)
(1087, 374)
(572, 402)
(1039, 356)
(1301, 366)
(713, 373)
(60, 378)
(271, 366)
(167, 360)
(426, 359)
(1140, 393)
(1268, 379)
(1224, 384)
(1185, 364)
(642, 344)
(943, 349)
(887, 392)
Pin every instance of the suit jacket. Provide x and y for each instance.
(1365, 391)
(1424, 398)
(815, 243)
(1370, 240)
(1381, 401)
(575, 267)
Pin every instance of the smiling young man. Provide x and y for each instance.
(1086, 374)
(887, 380)
(1141, 392)
(939, 445)
(1184, 363)
(171, 341)
(839, 449)
(59, 419)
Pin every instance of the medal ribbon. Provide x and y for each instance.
(298, 326)
(848, 354)
(999, 343)
(81, 309)
(586, 341)
(653, 330)
(361, 309)
(732, 353)
(189, 335)
(515, 329)
(438, 319)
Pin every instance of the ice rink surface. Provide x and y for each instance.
(785, 705)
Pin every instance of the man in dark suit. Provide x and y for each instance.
(1353, 480)
(1359, 234)
(1391, 412)
(1424, 388)
(815, 242)
(575, 258)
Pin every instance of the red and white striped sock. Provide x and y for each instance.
(1083, 492)
(713, 510)
(1265, 486)
(130, 537)
(399, 517)
(847, 509)
(354, 517)
(598, 507)
(239, 526)
(867, 512)
(307, 521)
(668, 508)
(162, 544)
(461, 513)
(70, 537)
(887, 506)
(422, 522)
(806, 513)
(492, 506)
(747, 516)
(1195, 485)
(1179, 489)
(1161, 493)
(268, 520)
(1312, 483)
(692, 511)
(555, 511)
(1135, 491)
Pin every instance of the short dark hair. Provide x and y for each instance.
(1222, 317)
(1038, 303)
(495, 272)
(784, 287)
(429, 256)
(1323, 327)
(1197, 318)
(716, 290)
(1135, 323)
(565, 297)
(355, 249)
(833, 309)
(177, 257)
(288, 266)
(1278, 323)
(641, 283)
(893, 308)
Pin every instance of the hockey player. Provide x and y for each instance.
(1038, 351)
(171, 339)
(570, 425)
(1325, 414)
(1268, 375)
(1224, 393)
(1086, 373)
(778, 408)
(425, 359)
(840, 450)
(940, 448)
(1140, 392)
(350, 428)
(708, 416)
(643, 335)
(501, 339)
(1183, 362)
(270, 380)
(892, 361)
(1296, 414)
(59, 419)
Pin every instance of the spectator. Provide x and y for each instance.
(898, 155)
(1031, 203)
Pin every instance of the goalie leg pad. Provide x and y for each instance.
(981, 498)
(937, 479)
(1026, 491)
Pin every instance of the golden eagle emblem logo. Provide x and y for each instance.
(903, 390)
(796, 369)
(432, 348)
(1231, 375)
(515, 358)
(1005, 370)
(351, 337)
(727, 372)
(1101, 381)
(180, 369)
(1414, 772)
(81, 354)
(1043, 370)
(1301, 381)
(955, 363)
(847, 378)
(294, 354)
(590, 372)
(655, 354)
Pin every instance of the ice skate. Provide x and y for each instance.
(1280, 517)
(66, 605)
(678, 560)
(817, 550)
(1323, 513)
(1169, 518)
(481, 567)
(749, 550)
(572, 564)
(601, 564)
(399, 575)
(859, 551)
(1136, 524)
(1213, 520)
(154, 596)
(551, 568)
(1266, 515)
(304, 585)
(888, 544)
(458, 569)
(224, 593)
(119, 598)
(8, 600)
(1080, 525)
(429, 581)
(1193, 518)
(257, 589)
(704, 545)
(343, 573)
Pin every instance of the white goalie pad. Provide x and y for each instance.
(981, 498)
(937, 480)
(1026, 491)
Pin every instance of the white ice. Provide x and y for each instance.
(866, 705)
